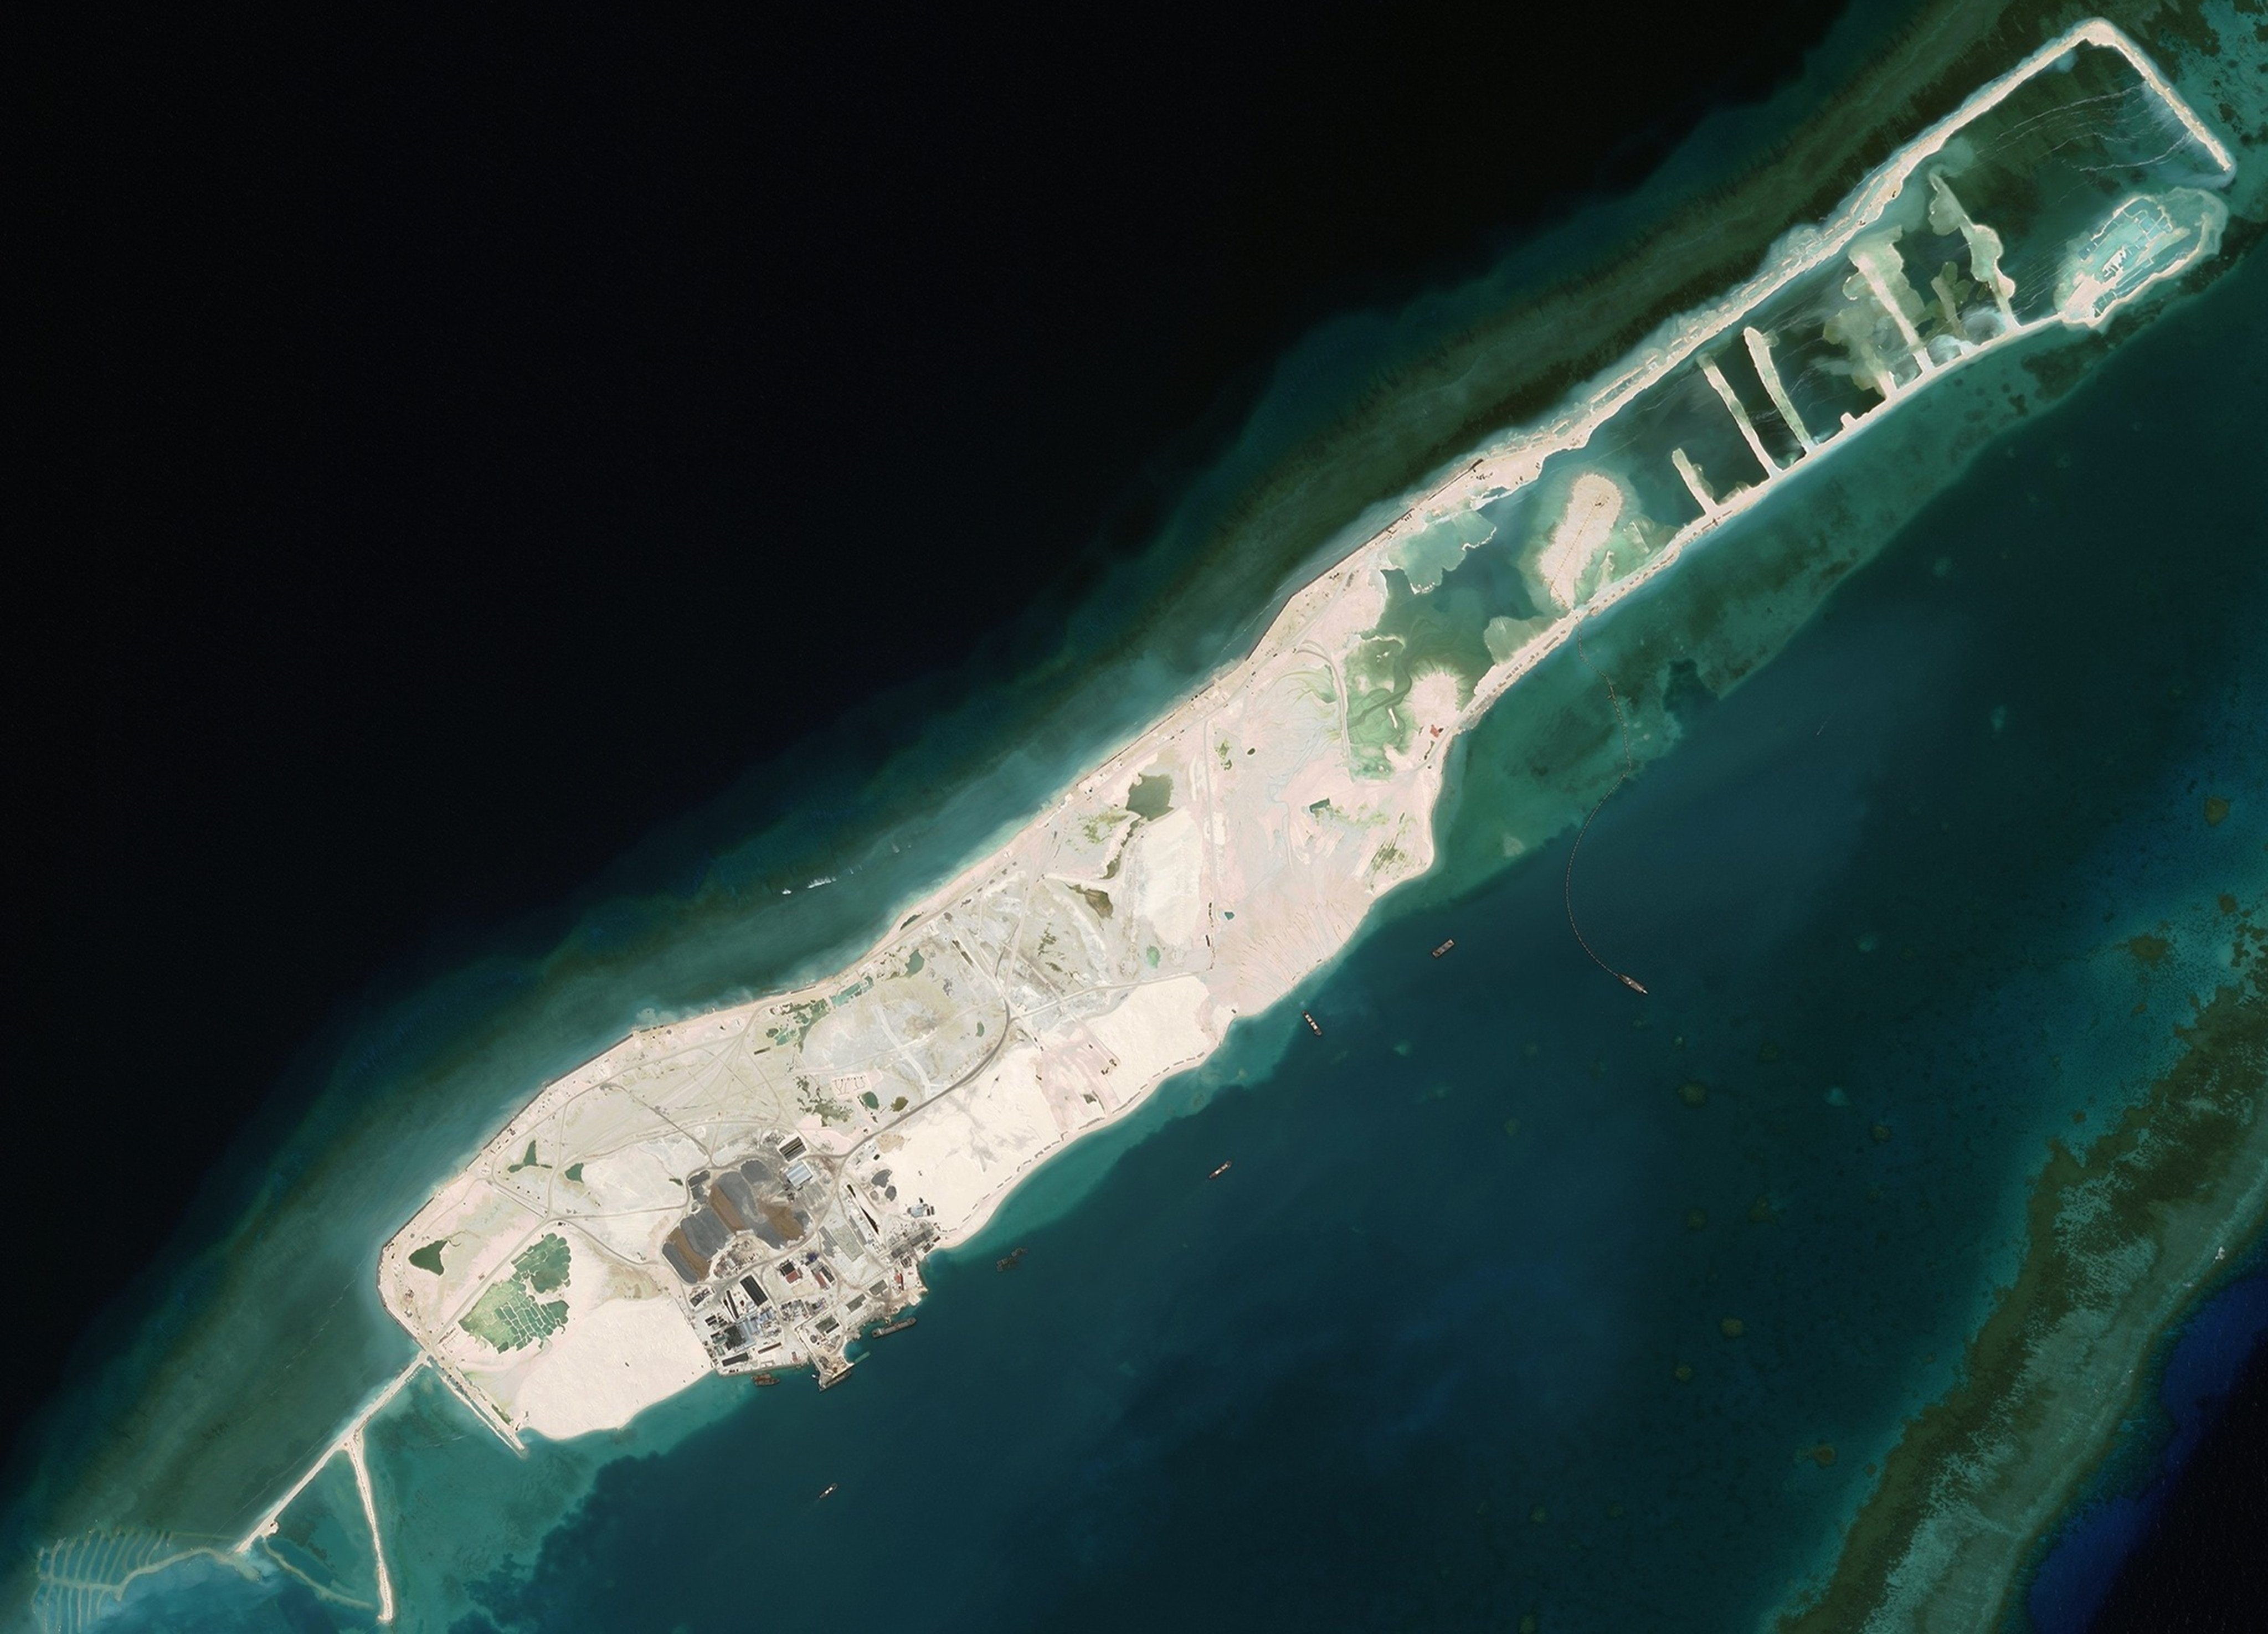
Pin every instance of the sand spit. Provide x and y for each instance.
(348, 1444)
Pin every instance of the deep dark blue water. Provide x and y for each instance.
(2194, 1380)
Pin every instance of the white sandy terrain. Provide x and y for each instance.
(1594, 506)
(602, 1372)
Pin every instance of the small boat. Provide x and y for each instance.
(762, 1378)
(1444, 947)
(1313, 1025)
(829, 1493)
(1009, 1261)
(1218, 1173)
(1631, 983)
(899, 1325)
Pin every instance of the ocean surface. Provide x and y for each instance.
(1528, 1303)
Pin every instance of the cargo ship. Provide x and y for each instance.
(899, 1325)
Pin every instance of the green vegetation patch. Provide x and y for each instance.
(544, 1265)
(505, 1317)
(508, 1314)
(800, 1019)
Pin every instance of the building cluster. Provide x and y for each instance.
(782, 1261)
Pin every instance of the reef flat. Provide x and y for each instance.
(2123, 1232)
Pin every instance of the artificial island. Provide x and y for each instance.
(755, 1190)
(751, 1189)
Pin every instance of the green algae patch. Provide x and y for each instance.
(2118, 1240)
(2216, 810)
(1151, 797)
(1693, 1095)
(1732, 1327)
(2149, 950)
